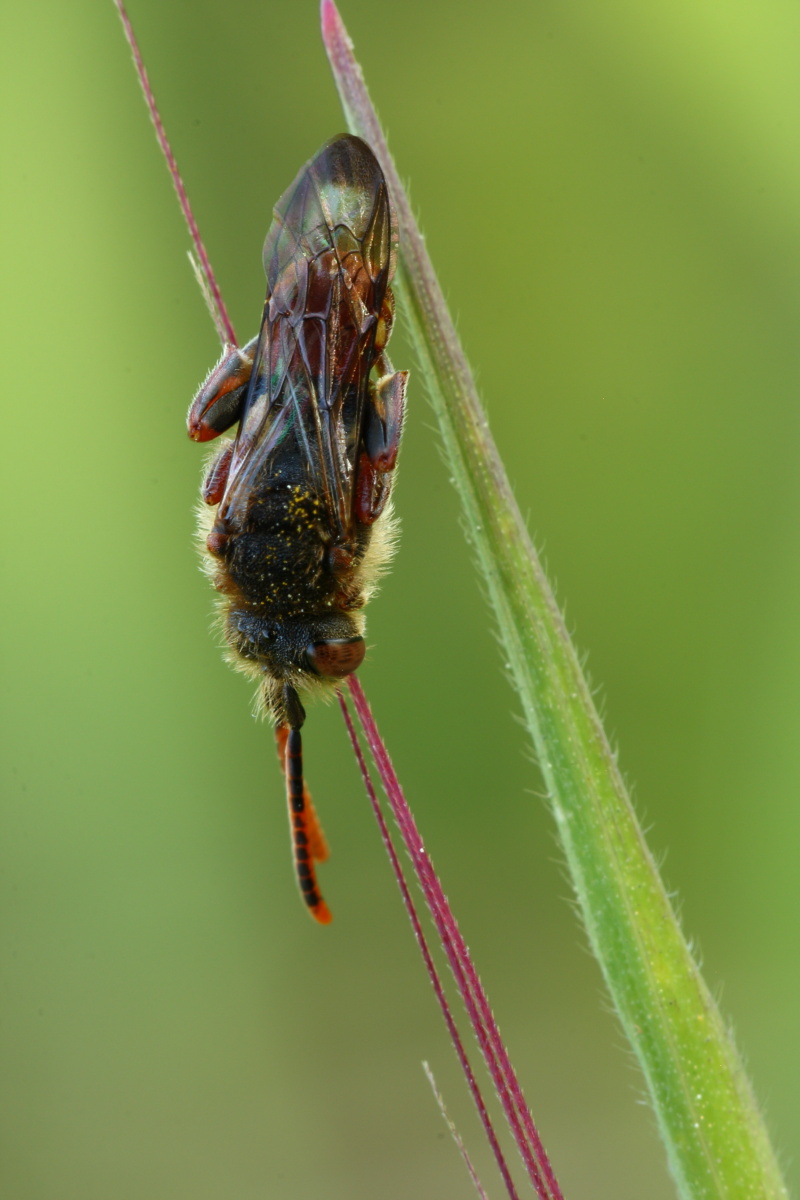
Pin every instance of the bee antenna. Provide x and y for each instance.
(308, 841)
(295, 713)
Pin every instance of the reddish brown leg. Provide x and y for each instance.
(308, 840)
(217, 476)
(218, 404)
(383, 428)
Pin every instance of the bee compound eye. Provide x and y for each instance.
(338, 657)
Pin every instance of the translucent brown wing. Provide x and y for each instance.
(329, 257)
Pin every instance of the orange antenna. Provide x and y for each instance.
(308, 840)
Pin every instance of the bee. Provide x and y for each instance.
(296, 523)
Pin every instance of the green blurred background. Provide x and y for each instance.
(611, 194)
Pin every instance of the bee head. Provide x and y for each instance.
(329, 647)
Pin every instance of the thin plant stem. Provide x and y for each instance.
(223, 320)
(427, 957)
(456, 1136)
(202, 279)
(469, 985)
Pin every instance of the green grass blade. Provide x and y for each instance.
(716, 1141)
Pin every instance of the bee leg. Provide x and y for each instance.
(384, 423)
(217, 475)
(383, 428)
(308, 839)
(218, 403)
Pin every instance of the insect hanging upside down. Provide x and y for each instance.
(296, 525)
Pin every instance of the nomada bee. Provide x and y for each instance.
(296, 524)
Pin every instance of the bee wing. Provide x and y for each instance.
(329, 257)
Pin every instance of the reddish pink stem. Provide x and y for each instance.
(430, 966)
(183, 199)
(476, 1003)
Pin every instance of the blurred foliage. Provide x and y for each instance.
(610, 194)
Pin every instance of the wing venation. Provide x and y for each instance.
(329, 257)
